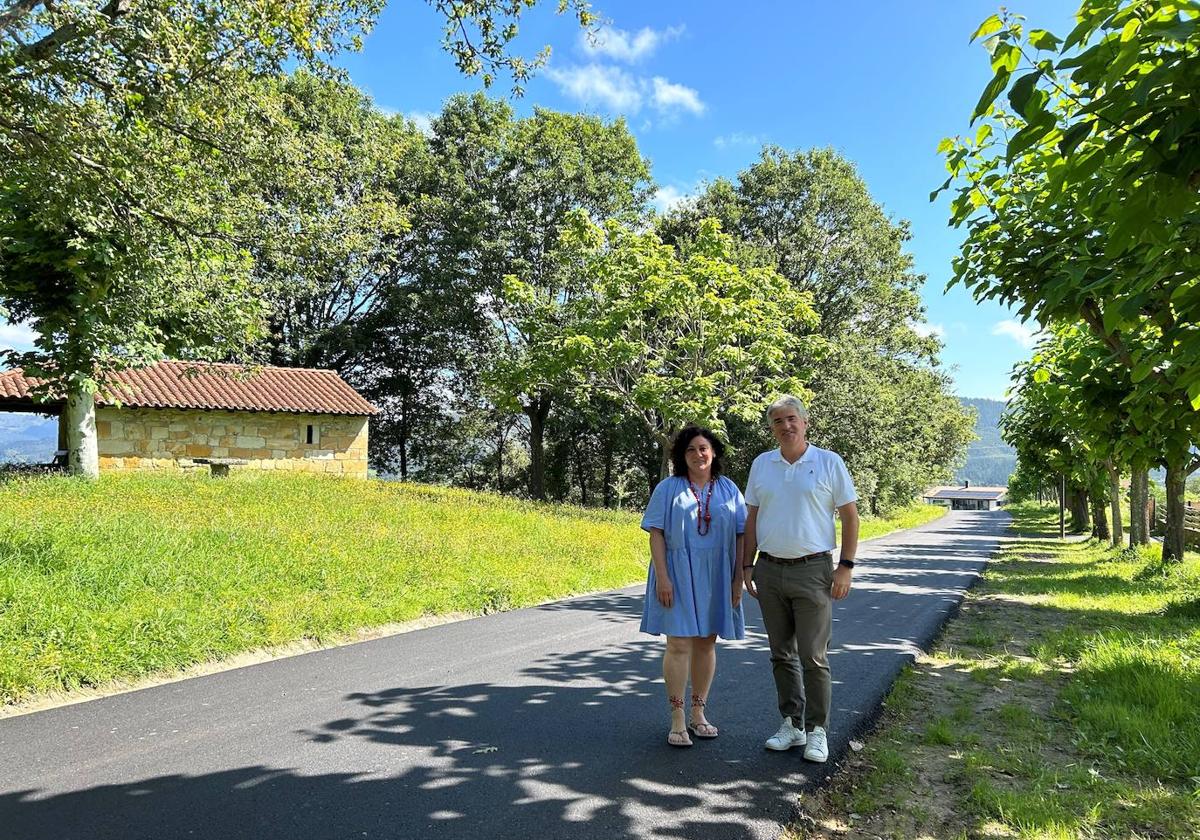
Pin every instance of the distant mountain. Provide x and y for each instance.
(27, 438)
(989, 460)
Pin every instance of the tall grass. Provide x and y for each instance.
(138, 574)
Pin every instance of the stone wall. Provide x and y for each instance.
(150, 438)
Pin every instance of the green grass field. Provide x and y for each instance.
(140, 575)
(1063, 702)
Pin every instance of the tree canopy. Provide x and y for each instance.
(1080, 195)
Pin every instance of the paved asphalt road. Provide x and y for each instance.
(543, 723)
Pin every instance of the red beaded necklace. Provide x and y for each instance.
(703, 516)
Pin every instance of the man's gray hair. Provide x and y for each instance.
(787, 401)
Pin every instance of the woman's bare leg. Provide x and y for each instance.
(676, 660)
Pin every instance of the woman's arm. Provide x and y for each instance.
(662, 575)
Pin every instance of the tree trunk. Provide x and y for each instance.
(500, 455)
(1077, 503)
(1114, 492)
(1173, 542)
(1139, 507)
(537, 412)
(581, 473)
(83, 457)
(664, 463)
(404, 440)
(608, 470)
(1099, 518)
(1061, 492)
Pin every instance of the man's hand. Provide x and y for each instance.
(750, 587)
(841, 583)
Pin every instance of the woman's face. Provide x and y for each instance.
(699, 454)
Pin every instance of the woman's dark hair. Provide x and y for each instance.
(679, 449)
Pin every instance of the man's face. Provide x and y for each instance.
(788, 427)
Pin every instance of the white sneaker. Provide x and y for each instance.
(817, 750)
(787, 737)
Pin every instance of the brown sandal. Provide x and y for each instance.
(678, 737)
(703, 730)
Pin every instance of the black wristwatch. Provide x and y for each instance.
(849, 564)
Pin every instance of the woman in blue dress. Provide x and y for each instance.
(694, 592)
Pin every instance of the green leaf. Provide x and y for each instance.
(1043, 40)
(1025, 138)
(1018, 97)
(945, 185)
(1006, 56)
(1141, 370)
(1079, 34)
(1112, 319)
(992, 24)
(1073, 137)
(998, 83)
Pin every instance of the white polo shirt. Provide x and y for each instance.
(797, 502)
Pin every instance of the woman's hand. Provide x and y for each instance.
(737, 591)
(666, 592)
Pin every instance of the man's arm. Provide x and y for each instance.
(849, 548)
(749, 549)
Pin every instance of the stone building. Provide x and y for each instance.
(186, 415)
(967, 497)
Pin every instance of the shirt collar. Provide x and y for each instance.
(809, 453)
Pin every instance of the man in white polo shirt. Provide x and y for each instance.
(791, 496)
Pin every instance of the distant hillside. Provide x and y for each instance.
(27, 438)
(989, 460)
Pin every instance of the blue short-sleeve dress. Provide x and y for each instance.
(701, 566)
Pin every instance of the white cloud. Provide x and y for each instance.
(599, 84)
(1017, 331)
(15, 336)
(738, 138)
(669, 96)
(669, 197)
(423, 121)
(622, 46)
(927, 330)
(615, 90)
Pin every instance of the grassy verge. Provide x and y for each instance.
(139, 575)
(909, 517)
(1064, 702)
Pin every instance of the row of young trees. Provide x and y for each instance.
(498, 285)
(1081, 201)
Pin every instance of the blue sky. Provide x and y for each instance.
(704, 85)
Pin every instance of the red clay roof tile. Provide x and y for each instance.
(216, 386)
